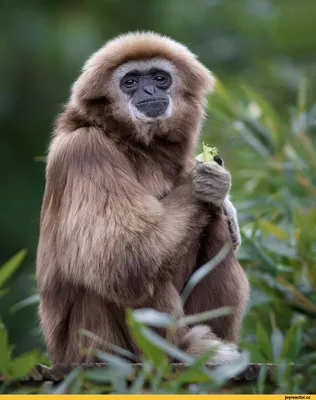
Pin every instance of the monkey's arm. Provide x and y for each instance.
(231, 213)
(99, 228)
(212, 184)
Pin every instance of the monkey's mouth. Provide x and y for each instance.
(153, 108)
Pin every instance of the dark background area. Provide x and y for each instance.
(43, 45)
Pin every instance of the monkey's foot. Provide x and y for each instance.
(200, 339)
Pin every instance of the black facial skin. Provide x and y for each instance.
(148, 91)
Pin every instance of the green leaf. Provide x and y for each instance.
(138, 384)
(274, 229)
(23, 365)
(113, 360)
(3, 292)
(152, 317)
(138, 332)
(292, 342)
(262, 378)
(67, 382)
(29, 301)
(204, 316)
(119, 350)
(8, 269)
(208, 154)
(256, 355)
(277, 344)
(153, 345)
(263, 343)
(5, 352)
(162, 344)
(229, 370)
(196, 372)
(203, 271)
(107, 374)
(257, 251)
(260, 132)
(251, 139)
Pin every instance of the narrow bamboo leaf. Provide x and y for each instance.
(112, 359)
(138, 384)
(23, 365)
(105, 375)
(202, 272)
(152, 317)
(162, 344)
(65, 384)
(277, 344)
(29, 301)
(260, 132)
(197, 372)
(289, 349)
(119, 350)
(297, 341)
(204, 316)
(263, 343)
(5, 352)
(251, 140)
(3, 292)
(269, 264)
(274, 229)
(262, 378)
(149, 348)
(8, 269)
(229, 370)
(256, 355)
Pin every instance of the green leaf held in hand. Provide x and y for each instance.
(208, 154)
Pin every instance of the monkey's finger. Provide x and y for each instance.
(211, 169)
(219, 160)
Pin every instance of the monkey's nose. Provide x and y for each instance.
(150, 89)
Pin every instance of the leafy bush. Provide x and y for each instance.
(274, 187)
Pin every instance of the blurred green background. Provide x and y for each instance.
(264, 44)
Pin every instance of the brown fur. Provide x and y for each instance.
(120, 223)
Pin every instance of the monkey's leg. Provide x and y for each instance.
(64, 310)
(226, 285)
(56, 303)
(104, 319)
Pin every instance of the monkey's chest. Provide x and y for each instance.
(157, 178)
(156, 182)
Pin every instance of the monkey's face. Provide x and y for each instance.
(145, 90)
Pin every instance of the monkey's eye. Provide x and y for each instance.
(160, 79)
(130, 83)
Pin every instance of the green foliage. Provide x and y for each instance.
(275, 159)
(8, 269)
(156, 374)
(18, 367)
(278, 226)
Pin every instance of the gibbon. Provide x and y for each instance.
(127, 214)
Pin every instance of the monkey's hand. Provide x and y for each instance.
(211, 181)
